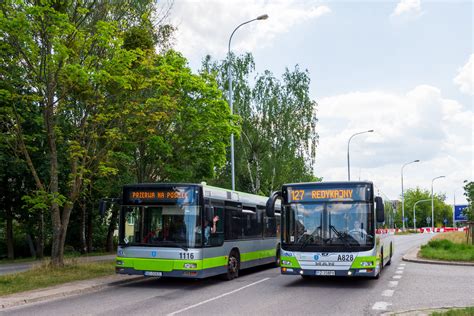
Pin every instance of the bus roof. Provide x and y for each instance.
(333, 183)
(209, 192)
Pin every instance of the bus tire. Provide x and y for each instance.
(380, 267)
(233, 266)
(278, 258)
(389, 262)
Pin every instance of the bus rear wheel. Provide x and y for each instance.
(233, 266)
(390, 257)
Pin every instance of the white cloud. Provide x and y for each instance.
(407, 7)
(421, 124)
(204, 27)
(464, 79)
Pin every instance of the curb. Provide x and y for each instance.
(61, 293)
(412, 256)
(423, 311)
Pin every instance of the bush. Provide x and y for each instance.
(443, 249)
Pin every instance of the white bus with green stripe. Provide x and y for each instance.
(167, 230)
(333, 229)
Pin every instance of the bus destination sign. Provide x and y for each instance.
(163, 195)
(319, 194)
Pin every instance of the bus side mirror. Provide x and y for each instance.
(270, 208)
(102, 207)
(379, 208)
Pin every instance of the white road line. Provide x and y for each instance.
(403, 264)
(399, 272)
(392, 283)
(401, 268)
(388, 293)
(397, 277)
(217, 297)
(381, 306)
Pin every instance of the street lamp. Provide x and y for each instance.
(403, 197)
(432, 203)
(414, 217)
(229, 71)
(348, 160)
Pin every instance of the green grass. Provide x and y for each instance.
(44, 275)
(45, 259)
(468, 311)
(444, 249)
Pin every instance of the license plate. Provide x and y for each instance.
(153, 273)
(325, 272)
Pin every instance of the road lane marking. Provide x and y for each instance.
(401, 268)
(403, 264)
(381, 306)
(397, 277)
(217, 297)
(392, 283)
(399, 272)
(388, 293)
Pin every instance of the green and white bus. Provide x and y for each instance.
(333, 229)
(193, 231)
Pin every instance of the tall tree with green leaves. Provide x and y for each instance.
(278, 140)
(442, 210)
(71, 57)
(469, 194)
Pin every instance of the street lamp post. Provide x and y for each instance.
(414, 217)
(403, 197)
(229, 71)
(432, 203)
(348, 158)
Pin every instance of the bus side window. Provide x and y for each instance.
(217, 238)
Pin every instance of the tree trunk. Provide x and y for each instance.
(109, 247)
(30, 245)
(82, 226)
(9, 232)
(90, 230)
(40, 237)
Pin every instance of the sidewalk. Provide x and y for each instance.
(412, 256)
(66, 289)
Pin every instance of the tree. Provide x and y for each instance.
(469, 194)
(442, 211)
(278, 140)
(70, 56)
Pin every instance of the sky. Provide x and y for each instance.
(402, 68)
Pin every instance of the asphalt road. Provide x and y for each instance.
(402, 286)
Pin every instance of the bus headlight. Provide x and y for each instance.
(367, 263)
(190, 265)
(286, 263)
(119, 262)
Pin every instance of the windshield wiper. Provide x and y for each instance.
(170, 244)
(310, 236)
(341, 236)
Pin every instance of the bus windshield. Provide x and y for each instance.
(161, 226)
(324, 226)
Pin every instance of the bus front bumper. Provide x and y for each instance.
(193, 274)
(345, 273)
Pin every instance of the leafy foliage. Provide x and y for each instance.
(278, 140)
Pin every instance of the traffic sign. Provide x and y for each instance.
(458, 213)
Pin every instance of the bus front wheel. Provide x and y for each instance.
(233, 266)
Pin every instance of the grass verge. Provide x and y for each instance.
(468, 311)
(449, 247)
(44, 275)
(45, 259)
